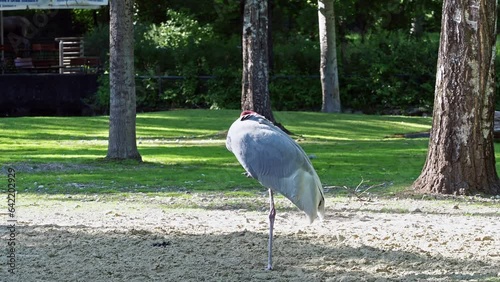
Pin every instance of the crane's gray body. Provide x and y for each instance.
(275, 160)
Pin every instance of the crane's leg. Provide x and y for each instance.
(272, 215)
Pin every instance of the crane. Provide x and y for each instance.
(274, 159)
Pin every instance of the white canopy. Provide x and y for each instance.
(21, 4)
(51, 4)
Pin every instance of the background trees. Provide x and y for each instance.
(383, 66)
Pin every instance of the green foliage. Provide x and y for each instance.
(102, 100)
(83, 18)
(295, 84)
(295, 92)
(148, 88)
(97, 42)
(407, 16)
(149, 57)
(297, 55)
(179, 31)
(388, 71)
(224, 91)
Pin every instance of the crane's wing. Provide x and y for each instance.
(277, 162)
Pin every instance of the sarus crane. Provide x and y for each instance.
(274, 159)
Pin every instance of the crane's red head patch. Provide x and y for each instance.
(247, 112)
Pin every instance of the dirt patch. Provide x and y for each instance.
(72, 239)
(43, 167)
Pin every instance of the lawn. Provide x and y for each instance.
(185, 150)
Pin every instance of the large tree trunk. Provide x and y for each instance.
(255, 81)
(328, 64)
(270, 52)
(122, 137)
(461, 159)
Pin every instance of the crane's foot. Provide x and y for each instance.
(269, 267)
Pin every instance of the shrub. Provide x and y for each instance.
(97, 43)
(388, 71)
(224, 89)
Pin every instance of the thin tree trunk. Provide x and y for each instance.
(255, 81)
(122, 118)
(328, 63)
(461, 158)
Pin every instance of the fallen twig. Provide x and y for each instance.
(357, 192)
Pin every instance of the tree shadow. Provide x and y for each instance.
(83, 253)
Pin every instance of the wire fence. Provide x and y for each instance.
(160, 79)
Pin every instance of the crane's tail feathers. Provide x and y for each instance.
(318, 213)
(304, 189)
(309, 196)
(321, 209)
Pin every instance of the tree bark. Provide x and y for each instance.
(122, 112)
(328, 63)
(461, 158)
(270, 52)
(255, 81)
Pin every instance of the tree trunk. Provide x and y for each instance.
(328, 64)
(255, 81)
(122, 136)
(461, 158)
(270, 52)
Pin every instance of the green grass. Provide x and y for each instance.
(185, 151)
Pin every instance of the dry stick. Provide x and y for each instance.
(356, 191)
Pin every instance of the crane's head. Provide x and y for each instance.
(248, 112)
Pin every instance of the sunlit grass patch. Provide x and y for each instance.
(185, 150)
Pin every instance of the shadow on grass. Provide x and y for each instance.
(71, 253)
(97, 178)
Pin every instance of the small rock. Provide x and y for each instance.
(262, 276)
(162, 244)
(484, 238)
(383, 269)
(299, 232)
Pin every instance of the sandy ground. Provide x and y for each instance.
(140, 238)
